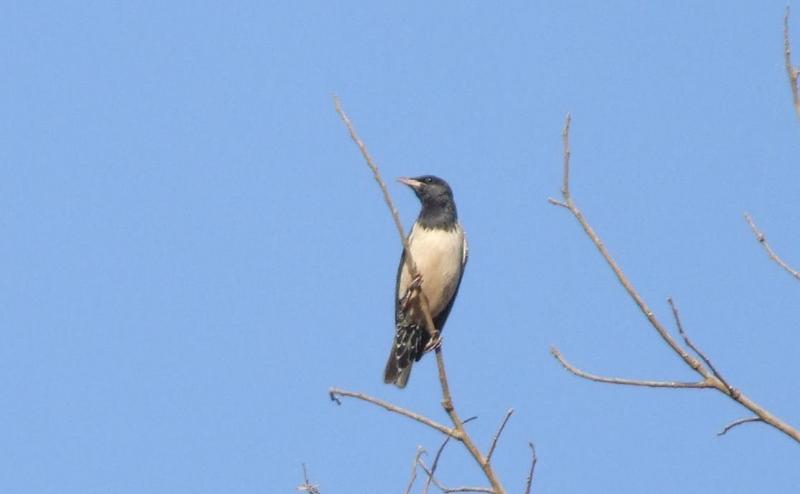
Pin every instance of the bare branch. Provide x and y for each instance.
(529, 481)
(711, 377)
(627, 382)
(336, 392)
(791, 70)
(387, 198)
(377, 174)
(738, 422)
(771, 253)
(626, 284)
(420, 452)
(447, 404)
(307, 486)
(497, 435)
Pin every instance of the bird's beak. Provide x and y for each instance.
(414, 184)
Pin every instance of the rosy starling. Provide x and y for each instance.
(439, 249)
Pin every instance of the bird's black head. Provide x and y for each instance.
(438, 206)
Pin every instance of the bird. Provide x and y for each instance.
(439, 249)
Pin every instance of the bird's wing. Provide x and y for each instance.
(397, 295)
(401, 284)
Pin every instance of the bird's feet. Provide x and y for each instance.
(415, 284)
(434, 344)
(412, 288)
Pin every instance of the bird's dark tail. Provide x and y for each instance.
(408, 347)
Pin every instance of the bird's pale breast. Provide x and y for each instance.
(439, 255)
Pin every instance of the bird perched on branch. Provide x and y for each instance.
(439, 249)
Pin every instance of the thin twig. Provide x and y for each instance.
(377, 175)
(696, 350)
(336, 392)
(791, 70)
(420, 452)
(435, 463)
(446, 489)
(307, 486)
(556, 202)
(627, 382)
(710, 378)
(738, 422)
(768, 249)
(529, 481)
(567, 155)
(497, 435)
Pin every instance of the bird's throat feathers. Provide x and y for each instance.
(438, 215)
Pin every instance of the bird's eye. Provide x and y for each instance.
(428, 180)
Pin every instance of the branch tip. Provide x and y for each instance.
(529, 480)
(762, 239)
(739, 422)
(420, 452)
(497, 435)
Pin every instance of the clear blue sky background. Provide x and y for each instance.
(193, 250)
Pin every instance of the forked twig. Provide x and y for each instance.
(768, 249)
(696, 350)
(711, 377)
(598, 243)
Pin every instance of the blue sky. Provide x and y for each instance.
(193, 251)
